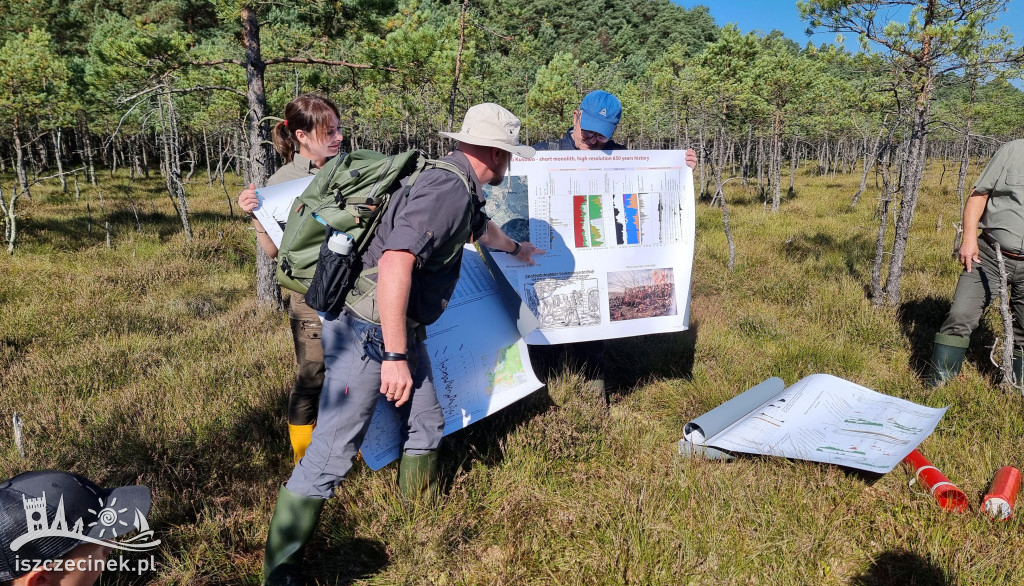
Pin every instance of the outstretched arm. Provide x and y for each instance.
(496, 238)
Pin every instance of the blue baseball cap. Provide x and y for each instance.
(600, 113)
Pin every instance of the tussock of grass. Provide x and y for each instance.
(149, 362)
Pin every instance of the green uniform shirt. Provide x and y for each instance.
(1003, 181)
(299, 167)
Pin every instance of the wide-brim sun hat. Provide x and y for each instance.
(490, 125)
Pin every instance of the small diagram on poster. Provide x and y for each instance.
(588, 221)
(572, 301)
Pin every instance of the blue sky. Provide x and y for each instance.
(766, 15)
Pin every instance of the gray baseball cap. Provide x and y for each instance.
(491, 125)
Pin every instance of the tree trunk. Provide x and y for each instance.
(961, 183)
(913, 170)
(19, 161)
(702, 142)
(869, 162)
(113, 158)
(260, 157)
(877, 295)
(720, 195)
(87, 146)
(746, 153)
(776, 163)
(1009, 376)
(760, 167)
(458, 65)
(60, 162)
(172, 163)
(794, 160)
(206, 155)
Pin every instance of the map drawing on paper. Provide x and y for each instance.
(508, 205)
(821, 418)
(477, 370)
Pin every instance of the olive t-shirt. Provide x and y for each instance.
(298, 168)
(1003, 181)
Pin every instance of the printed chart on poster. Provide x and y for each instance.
(618, 230)
(477, 370)
(821, 418)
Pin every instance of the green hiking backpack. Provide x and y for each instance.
(349, 194)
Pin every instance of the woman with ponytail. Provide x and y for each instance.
(307, 138)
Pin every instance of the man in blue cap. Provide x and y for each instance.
(593, 125)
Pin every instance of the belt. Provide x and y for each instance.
(1006, 253)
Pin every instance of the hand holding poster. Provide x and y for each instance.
(275, 204)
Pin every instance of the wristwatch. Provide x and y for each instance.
(394, 356)
(514, 251)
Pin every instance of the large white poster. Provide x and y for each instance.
(618, 231)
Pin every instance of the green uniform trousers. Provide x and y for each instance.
(304, 400)
(975, 290)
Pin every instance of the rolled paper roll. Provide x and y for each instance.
(1002, 495)
(935, 482)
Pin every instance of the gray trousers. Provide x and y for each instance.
(350, 394)
(975, 290)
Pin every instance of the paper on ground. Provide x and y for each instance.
(275, 205)
(618, 229)
(479, 360)
(821, 418)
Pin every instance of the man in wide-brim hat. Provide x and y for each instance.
(417, 251)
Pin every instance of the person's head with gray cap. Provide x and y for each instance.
(595, 120)
(49, 515)
(489, 137)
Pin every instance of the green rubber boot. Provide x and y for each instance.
(947, 358)
(417, 475)
(292, 526)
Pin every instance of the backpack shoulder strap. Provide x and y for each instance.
(438, 164)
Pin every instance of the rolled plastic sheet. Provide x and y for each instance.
(935, 482)
(1002, 495)
(696, 432)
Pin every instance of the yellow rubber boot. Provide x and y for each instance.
(301, 436)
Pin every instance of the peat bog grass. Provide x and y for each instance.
(149, 362)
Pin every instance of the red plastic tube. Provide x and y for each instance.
(935, 482)
(1002, 495)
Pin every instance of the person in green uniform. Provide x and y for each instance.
(307, 138)
(996, 205)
